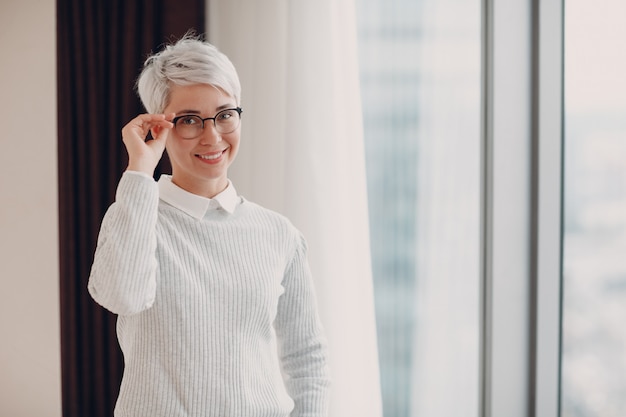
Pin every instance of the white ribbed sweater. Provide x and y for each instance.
(212, 313)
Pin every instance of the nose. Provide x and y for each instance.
(210, 136)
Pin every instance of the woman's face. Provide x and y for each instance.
(200, 165)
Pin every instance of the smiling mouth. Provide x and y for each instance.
(211, 157)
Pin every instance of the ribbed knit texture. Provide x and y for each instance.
(212, 313)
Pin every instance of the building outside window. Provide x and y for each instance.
(421, 91)
(594, 261)
(421, 88)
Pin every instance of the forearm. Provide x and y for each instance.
(303, 346)
(308, 380)
(123, 274)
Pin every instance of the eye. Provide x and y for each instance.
(225, 115)
(188, 121)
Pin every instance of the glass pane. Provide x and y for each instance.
(594, 263)
(421, 90)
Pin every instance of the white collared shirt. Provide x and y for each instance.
(196, 205)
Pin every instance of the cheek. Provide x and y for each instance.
(175, 145)
(234, 141)
(174, 151)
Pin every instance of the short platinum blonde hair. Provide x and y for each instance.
(188, 61)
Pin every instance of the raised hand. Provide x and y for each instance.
(143, 156)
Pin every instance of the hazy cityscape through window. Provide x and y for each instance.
(594, 262)
(420, 79)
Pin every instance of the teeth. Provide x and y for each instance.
(209, 157)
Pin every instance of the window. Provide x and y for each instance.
(594, 266)
(421, 87)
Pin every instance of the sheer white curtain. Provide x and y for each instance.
(302, 155)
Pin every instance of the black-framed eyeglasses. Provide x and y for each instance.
(190, 126)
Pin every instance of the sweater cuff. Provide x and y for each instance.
(131, 172)
(137, 187)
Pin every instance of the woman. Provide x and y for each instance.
(215, 303)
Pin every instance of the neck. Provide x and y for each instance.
(206, 188)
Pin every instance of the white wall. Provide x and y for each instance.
(30, 369)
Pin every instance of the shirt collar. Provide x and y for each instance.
(193, 204)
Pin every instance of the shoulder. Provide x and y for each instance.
(265, 214)
(273, 220)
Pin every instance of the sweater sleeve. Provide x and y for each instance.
(302, 344)
(123, 273)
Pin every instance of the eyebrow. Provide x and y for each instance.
(217, 110)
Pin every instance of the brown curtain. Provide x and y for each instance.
(101, 49)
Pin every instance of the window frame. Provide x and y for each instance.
(522, 204)
(548, 190)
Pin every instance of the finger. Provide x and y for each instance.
(166, 123)
(138, 128)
